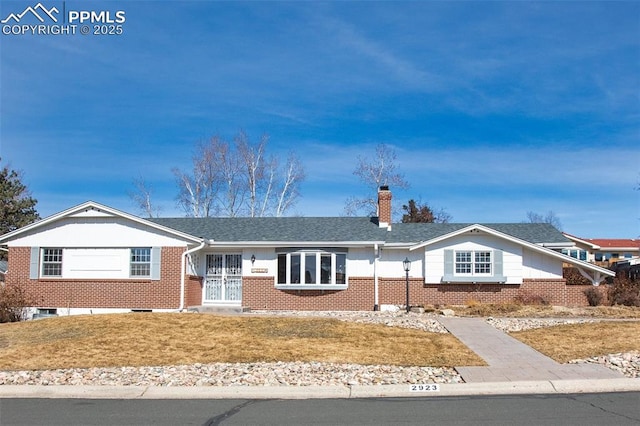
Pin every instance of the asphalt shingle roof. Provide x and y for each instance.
(337, 229)
(531, 232)
(264, 229)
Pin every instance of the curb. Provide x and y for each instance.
(318, 392)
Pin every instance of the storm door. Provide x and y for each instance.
(223, 278)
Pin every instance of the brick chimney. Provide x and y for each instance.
(384, 207)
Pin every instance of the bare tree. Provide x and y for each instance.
(253, 162)
(229, 201)
(289, 189)
(141, 197)
(549, 218)
(373, 173)
(198, 190)
(238, 180)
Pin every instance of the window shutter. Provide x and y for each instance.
(34, 263)
(155, 263)
(448, 264)
(497, 263)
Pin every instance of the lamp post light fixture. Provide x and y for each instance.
(406, 263)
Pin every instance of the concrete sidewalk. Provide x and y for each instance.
(510, 360)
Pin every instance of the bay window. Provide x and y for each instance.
(311, 269)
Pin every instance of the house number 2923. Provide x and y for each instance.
(424, 388)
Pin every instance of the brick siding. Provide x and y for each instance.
(260, 293)
(552, 291)
(193, 291)
(79, 293)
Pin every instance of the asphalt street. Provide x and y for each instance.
(568, 409)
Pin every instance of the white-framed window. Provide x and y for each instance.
(51, 262)
(473, 266)
(140, 265)
(470, 262)
(312, 268)
(576, 253)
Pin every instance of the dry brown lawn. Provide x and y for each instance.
(154, 339)
(574, 341)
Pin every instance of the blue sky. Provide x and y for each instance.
(493, 108)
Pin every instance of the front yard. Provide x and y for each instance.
(154, 339)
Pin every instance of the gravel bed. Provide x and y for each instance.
(424, 322)
(222, 374)
(627, 363)
(509, 325)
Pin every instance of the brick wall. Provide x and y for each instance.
(576, 296)
(78, 293)
(193, 291)
(554, 291)
(260, 293)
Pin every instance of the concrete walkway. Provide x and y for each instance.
(512, 361)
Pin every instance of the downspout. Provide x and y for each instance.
(4, 272)
(376, 305)
(183, 264)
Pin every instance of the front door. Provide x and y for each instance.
(223, 280)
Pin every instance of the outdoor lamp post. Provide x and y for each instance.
(406, 263)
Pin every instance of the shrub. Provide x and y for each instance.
(594, 296)
(14, 301)
(489, 309)
(624, 291)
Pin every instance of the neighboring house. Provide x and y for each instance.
(603, 251)
(629, 267)
(92, 258)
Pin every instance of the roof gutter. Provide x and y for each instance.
(183, 263)
(568, 244)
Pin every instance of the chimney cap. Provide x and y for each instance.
(384, 187)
